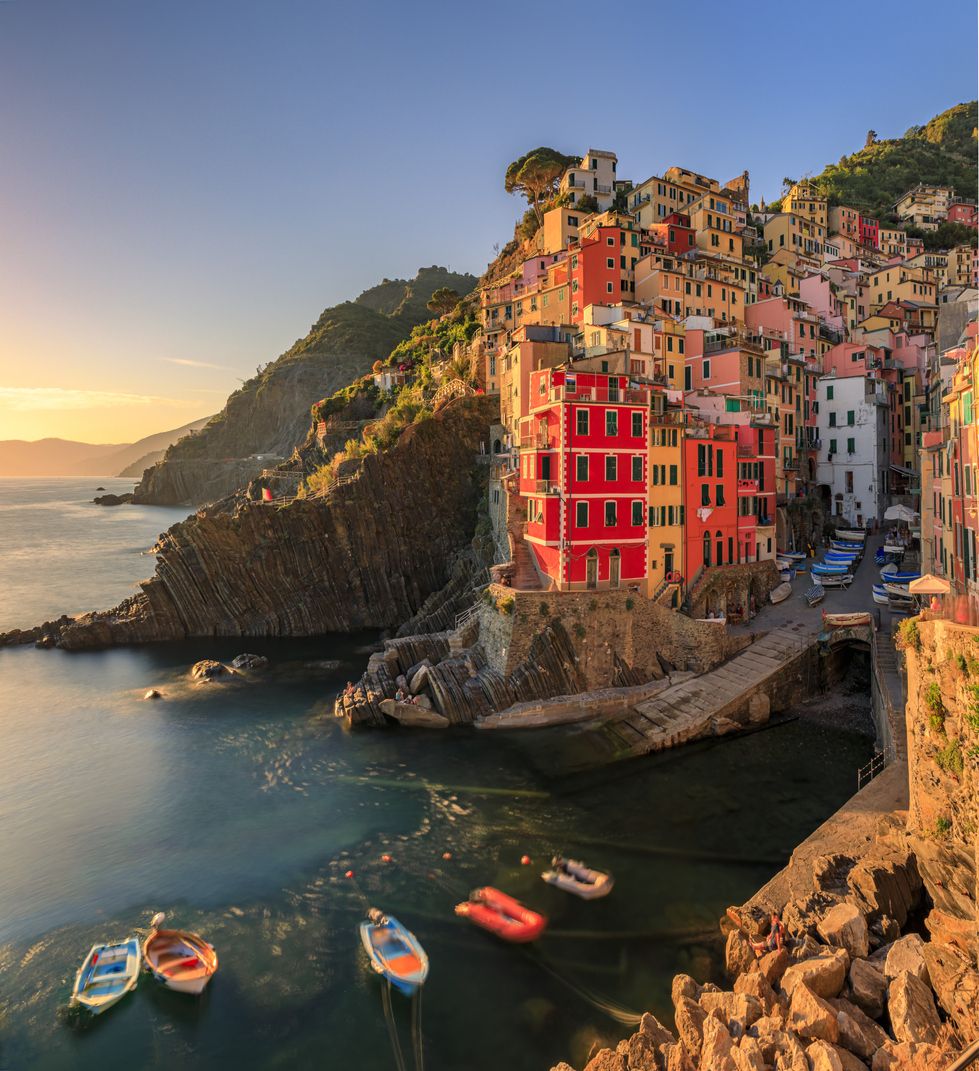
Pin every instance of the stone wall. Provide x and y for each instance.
(606, 628)
(727, 588)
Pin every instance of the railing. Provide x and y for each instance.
(869, 771)
(536, 441)
(598, 394)
(546, 487)
(748, 486)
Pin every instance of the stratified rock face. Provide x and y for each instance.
(366, 556)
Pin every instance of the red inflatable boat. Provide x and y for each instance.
(502, 915)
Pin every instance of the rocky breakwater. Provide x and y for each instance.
(367, 555)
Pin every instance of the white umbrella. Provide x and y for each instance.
(900, 513)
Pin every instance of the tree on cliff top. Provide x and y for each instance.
(443, 300)
(536, 175)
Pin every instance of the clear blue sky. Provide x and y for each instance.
(195, 181)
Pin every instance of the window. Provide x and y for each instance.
(851, 446)
(850, 418)
(609, 262)
(581, 515)
(609, 514)
(832, 447)
(611, 422)
(832, 420)
(701, 459)
(706, 369)
(705, 494)
(608, 288)
(581, 467)
(829, 394)
(637, 425)
(582, 422)
(719, 493)
(637, 512)
(720, 462)
(610, 468)
(673, 475)
(636, 469)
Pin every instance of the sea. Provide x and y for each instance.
(247, 814)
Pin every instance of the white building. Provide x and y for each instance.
(853, 457)
(595, 178)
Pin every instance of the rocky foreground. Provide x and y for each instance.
(849, 994)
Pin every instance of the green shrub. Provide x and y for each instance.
(630, 603)
(961, 663)
(579, 630)
(908, 634)
(543, 609)
(943, 826)
(505, 605)
(937, 722)
(949, 759)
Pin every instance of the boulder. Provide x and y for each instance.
(812, 1017)
(908, 1056)
(905, 954)
(791, 1056)
(153, 694)
(113, 500)
(676, 1058)
(946, 929)
(562, 1066)
(208, 670)
(890, 886)
(845, 927)
(756, 985)
(912, 1011)
(607, 1060)
(684, 986)
(731, 1007)
(739, 956)
(689, 1020)
(868, 987)
(823, 1057)
(956, 985)
(823, 974)
(249, 661)
(718, 1046)
(748, 1055)
(858, 1032)
(418, 677)
(848, 1060)
(641, 1050)
(773, 965)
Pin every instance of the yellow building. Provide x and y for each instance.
(713, 216)
(962, 266)
(803, 199)
(795, 233)
(844, 222)
(665, 504)
(892, 242)
(901, 282)
(924, 207)
(560, 228)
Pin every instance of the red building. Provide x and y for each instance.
(675, 233)
(603, 269)
(756, 492)
(964, 212)
(583, 476)
(869, 232)
(710, 476)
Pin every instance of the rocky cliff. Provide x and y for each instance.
(367, 554)
(269, 415)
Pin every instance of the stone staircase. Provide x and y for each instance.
(525, 574)
(692, 708)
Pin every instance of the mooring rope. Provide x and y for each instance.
(399, 1060)
(416, 1029)
(609, 1007)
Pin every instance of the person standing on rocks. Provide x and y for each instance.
(775, 939)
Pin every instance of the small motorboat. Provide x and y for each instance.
(840, 544)
(107, 974)
(830, 568)
(502, 915)
(575, 877)
(894, 577)
(897, 591)
(841, 556)
(880, 594)
(851, 535)
(786, 575)
(394, 951)
(792, 555)
(833, 580)
(180, 960)
(846, 620)
(781, 593)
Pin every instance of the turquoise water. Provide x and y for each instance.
(238, 809)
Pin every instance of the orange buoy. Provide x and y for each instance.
(385, 858)
(446, 855)
(525, 860)
(349, 874)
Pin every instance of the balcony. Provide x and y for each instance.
(747, 487)
(747, 451)
(537, 441)
(629, 396)
(546, 487)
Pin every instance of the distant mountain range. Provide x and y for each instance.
(64, 457)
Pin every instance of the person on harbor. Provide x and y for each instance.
(775, 940)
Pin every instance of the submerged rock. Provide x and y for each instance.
(208, 670)
(153, 694)
(112, 500)
(249, 661)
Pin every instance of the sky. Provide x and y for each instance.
(185, 185)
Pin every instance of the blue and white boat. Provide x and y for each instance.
(394, 952)
(890, 575)
(833, 580)
(880, 594)
(840, 556)
(840, 544)
(107, 974)
(792, 555)
(829, 569)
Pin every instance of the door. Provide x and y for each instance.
(614, 569)
(667, 562)
(591, 570)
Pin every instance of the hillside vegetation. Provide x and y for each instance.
(942, 152)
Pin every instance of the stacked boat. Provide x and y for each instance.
(788, 562)
(893, 590)
(839, 561)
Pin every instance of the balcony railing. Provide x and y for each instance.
(546, 487)
(749, 487)
(537, 441)
(627, 396)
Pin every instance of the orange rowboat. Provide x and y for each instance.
(502, 915)
(182, 961)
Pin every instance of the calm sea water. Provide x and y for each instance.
(238, 809)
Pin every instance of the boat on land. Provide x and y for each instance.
(897, 589)
(792, 555)
(180, 960)
(847, 620)
(851, 535)
(894, 548)
(394, 952)
(842, 544)
(106, 975)
(814, 595)
(880, 594)
(502, 915)
(833, 580)
(830, 568)
(840, 556)
(575, 877)
(898, 578)
(781, 593)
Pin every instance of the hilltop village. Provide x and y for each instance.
(674, 366)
